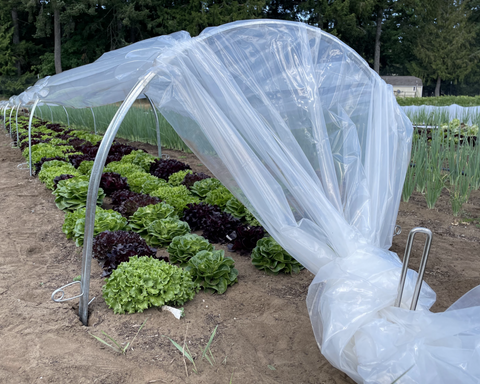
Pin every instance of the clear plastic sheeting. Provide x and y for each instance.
(467, 115)
(105, 81)
(312, 141)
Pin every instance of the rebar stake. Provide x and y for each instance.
(421, 271)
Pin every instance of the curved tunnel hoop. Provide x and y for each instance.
(94, 121)
(68, 118)
(30, 135)
(10, 120)
(5, 116)
(51, 112)
(159, 142)
(16, 123)
(93, 185)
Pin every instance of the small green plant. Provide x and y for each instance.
(409, 184)
(116, 346)
(178, 197)
(49, 172)
(176, 178)
(90, 137)
(137, 181)
(145, 282)
(179, 203)
(185, 351)
(139, 158)
(105, 220)
(421, 173)
(144, 216)
(252, 220)
(459, 193)
(202, 187)
(85, 167)
(54, 163)
(183, 248)
(151, 184)
(71, 194)
(48, 150)
(235, 208)
(213, 271)
(434, 186)
(167, 191)
(220, 197)
(70, 220)
(161, 232)
(269, 256)
(123, 169)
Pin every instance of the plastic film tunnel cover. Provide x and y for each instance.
(312, 141)
(105, 81)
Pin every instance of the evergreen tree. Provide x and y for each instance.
(444, 47)
(7, 60)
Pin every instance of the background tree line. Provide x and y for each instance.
(436, 40)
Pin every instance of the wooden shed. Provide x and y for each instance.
(405, 86)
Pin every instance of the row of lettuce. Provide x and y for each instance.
(145, 203)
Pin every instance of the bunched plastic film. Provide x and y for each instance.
(312, 141)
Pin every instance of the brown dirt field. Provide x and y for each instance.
(264, 333)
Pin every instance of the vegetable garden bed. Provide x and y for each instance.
(264, 334)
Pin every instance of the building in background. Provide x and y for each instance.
(405, 86)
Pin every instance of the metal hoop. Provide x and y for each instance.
(159, 142)
(30, 136)
(94, 122)
(94, 183)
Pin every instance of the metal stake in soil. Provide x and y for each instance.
(421, 271)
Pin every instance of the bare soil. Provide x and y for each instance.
(264, 333)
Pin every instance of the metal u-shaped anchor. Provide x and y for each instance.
(421, 270)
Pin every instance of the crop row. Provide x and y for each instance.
(138, 124)
(444, 158)
(145, 203)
